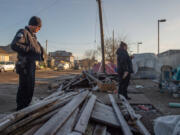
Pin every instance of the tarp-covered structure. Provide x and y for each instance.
(146, 65)
(167, 125)
(109, 67)
(176, 75)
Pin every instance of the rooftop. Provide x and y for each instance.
(169, 52)
(60, 53)
(6, 49)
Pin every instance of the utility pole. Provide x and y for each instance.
(162, 20)
(102, 34)
(137, 48)
(139, 43)
(158, 37)
(46, 45)
(113, 47)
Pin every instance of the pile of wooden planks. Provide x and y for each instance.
(75, 110)
(69, 113)
(104, 82)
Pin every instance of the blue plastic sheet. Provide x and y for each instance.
(176, 74)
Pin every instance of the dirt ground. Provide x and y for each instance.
(147, 94)
(9, 86)
(158, 100)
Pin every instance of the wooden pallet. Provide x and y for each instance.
(106, 87)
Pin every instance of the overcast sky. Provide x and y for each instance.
(73, 25)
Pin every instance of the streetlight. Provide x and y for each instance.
(162, 20)
(139, 43)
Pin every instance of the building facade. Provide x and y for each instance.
(170, 57)
(87, 64)
(3, 56)
(7, 54)
(62, 57)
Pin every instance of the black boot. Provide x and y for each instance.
(127, 97)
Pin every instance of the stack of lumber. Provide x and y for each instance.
(75, 110)
(70, 114)
(103, 82)
(106, 84)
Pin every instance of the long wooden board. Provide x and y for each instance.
(68, 126)
(100, 130)
(34, 116)
(124, 126)
(84, 118)
(12, 118)
(134, 116)
(33, 130)
(74, 133)
(104, 114)
(54, 124)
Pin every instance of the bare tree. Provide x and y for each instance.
(91, 58)
(91, 54)
(111, 46)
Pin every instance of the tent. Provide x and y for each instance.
(110, 68)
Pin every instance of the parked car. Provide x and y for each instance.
(7, 66)
(63, 66)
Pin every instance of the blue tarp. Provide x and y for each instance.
(176, 74)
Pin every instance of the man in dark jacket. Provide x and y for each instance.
(29, 50)
(124, 69)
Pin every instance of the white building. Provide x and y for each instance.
(170, 57)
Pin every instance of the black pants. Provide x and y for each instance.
(26, 86)
(123, 85)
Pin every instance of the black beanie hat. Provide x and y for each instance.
(122, 44)
(35, 21)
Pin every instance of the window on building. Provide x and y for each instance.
(2, 58)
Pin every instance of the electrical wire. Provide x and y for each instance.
(105, 21)
(69, 43)
(96, 24)
(47, 7)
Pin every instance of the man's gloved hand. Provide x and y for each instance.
(125, 74)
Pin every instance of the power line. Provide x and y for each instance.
(70, 43)
(106, 22)
(96, 24)
(47, 7)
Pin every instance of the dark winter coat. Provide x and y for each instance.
(124, 63)
(26, 45)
